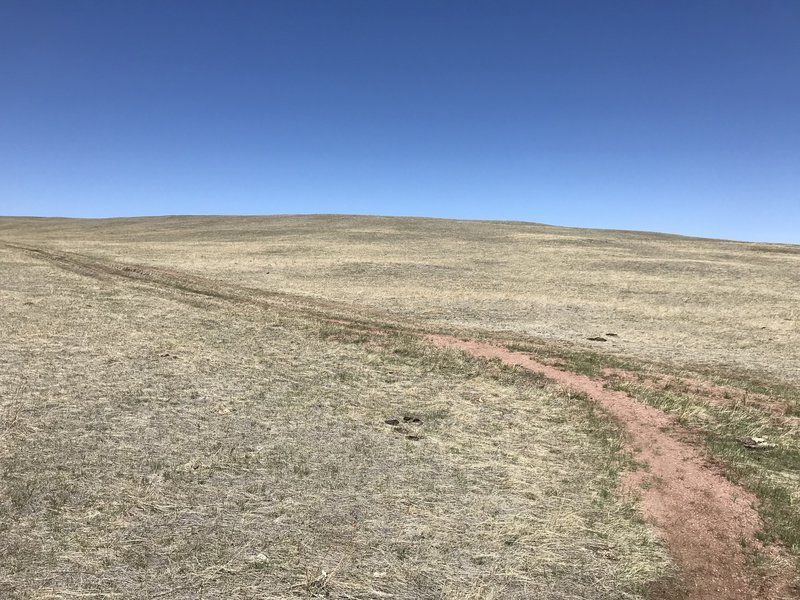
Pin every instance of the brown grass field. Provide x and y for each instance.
(197, 407)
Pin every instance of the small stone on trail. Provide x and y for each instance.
(612, 335)
(256, 559)
(757, 443)
(392, 422)
(597, 338)
(409, 419)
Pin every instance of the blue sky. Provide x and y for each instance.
(677, 116)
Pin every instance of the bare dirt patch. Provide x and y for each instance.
(708, 522)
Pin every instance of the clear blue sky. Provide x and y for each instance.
(679, 116)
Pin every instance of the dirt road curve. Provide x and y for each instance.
(704, 517)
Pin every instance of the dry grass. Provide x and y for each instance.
(693, 302)
(189, 426)
(158, 443)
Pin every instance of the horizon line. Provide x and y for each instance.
(380, 216)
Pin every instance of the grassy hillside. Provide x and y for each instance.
(688, 301)
(156, 444)
(226, 407)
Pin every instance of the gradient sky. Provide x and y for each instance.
(678, 116)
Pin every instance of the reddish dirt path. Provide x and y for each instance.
(703, 516)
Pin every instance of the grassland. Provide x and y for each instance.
(186, 409)
(686, 300)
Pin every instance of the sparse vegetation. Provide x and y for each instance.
(173, 445)
(237, 408)
(697, 303)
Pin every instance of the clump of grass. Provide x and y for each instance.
(341, 333)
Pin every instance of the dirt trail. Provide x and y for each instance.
(182, 282)
(703, 516)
